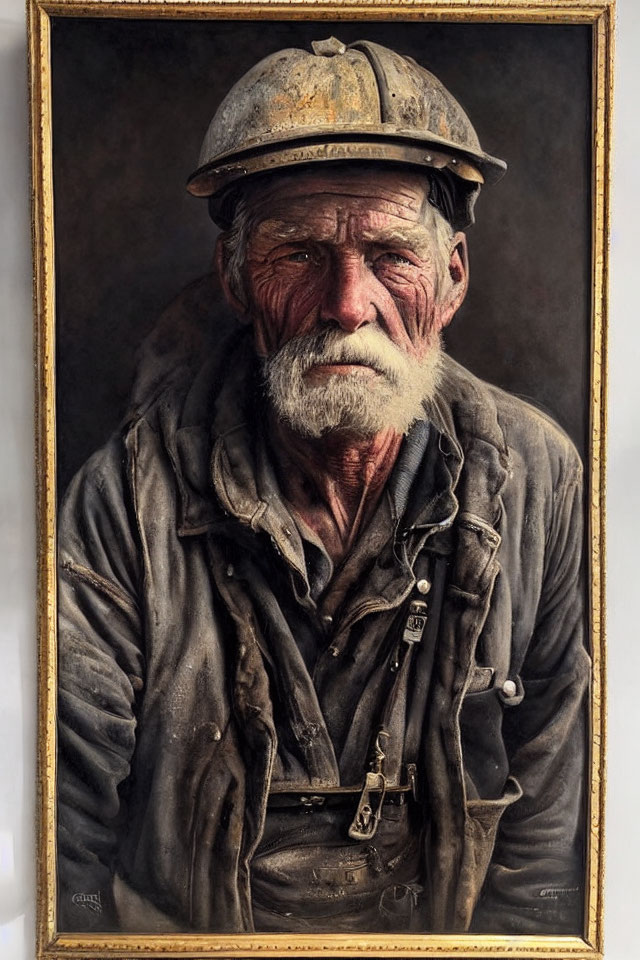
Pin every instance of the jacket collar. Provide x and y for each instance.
(465, 412)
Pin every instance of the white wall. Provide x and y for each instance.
(622, 892)
(17, 522)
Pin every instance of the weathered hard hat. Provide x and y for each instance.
(361, 102)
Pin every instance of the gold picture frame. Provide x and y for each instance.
(598, 16)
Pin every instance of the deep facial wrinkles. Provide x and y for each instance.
(339, 256)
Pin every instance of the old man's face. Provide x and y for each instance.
(350, 277)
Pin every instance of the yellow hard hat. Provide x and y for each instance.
(361, 102)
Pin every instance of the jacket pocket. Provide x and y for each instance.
(482, 819)
(484, 756)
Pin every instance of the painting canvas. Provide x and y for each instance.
(320, 302)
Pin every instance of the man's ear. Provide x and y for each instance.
(230, 296)
(458, 280)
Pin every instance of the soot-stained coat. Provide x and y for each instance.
(167, 733)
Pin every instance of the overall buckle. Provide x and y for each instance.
(369, 810)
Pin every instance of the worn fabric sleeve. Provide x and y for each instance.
(100, 664)
(535, 882)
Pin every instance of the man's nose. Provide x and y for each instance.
(349, 297)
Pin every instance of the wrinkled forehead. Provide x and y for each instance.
(319, 204)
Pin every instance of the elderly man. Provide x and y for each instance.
(321, 656)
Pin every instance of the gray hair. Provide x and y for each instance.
(234, 245)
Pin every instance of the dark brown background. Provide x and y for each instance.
(131, 102)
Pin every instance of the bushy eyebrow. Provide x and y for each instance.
(281, 230)
(413, 236)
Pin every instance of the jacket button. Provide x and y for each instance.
(509, 688)
(423, 586)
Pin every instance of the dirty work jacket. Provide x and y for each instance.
(166, 731)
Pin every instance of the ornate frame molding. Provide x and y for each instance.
(599, 14)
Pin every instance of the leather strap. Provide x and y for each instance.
(336, 798)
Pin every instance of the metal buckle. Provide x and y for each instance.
(366, 818)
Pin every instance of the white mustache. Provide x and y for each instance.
(368, 346)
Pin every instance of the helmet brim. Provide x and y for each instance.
(352, 146)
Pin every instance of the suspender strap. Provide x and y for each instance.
(424, 664)
(340, 798)
(420, 630)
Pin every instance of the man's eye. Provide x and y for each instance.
(299, 256)
(394, 258)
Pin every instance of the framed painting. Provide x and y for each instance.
(320, 298)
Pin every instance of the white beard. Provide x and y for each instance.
(353, 402)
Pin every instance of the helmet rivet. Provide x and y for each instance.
(428, 158)
(328, 48)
